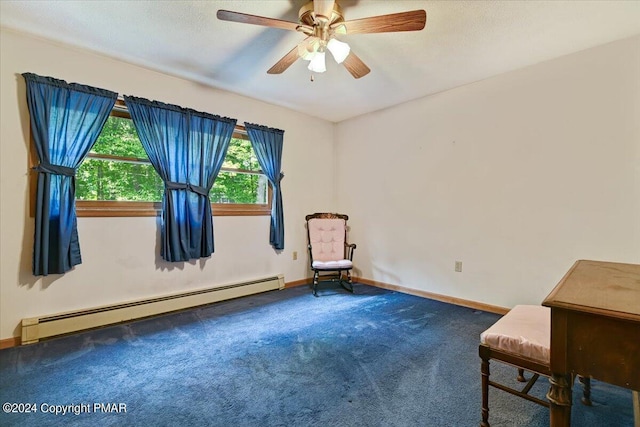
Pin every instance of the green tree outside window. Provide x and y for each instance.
(118, 169)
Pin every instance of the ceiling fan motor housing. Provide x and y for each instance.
(306, 14)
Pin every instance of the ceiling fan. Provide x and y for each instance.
(321, 21)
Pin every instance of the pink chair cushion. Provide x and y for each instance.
(326, 236)
(525, 331)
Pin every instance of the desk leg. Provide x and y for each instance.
(559, 396)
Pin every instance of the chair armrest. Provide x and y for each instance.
(349, 248)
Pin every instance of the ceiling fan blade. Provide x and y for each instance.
(355, 66)
(244, 18)
(414, 20)
(287, 60)
(323, 8)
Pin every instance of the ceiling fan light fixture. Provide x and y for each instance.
(306, 55)
(339, 50)
(317, 64)
(308, 49)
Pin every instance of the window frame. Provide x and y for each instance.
(108, 208)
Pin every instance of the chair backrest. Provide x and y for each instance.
(327, 233)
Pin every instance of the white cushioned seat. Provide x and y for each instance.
(524, 331)
(521, 338)
(332, 265)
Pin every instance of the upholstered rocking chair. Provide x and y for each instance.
(329, 253)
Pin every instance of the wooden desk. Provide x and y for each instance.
(595, 330)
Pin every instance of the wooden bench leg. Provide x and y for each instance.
(586, 390)
(485, 392)
(521, 377)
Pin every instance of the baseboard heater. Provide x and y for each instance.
(37, 328)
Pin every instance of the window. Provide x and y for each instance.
(241, 187)
(117, 179)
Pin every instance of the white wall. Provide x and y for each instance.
(517, 176)
(120, 255)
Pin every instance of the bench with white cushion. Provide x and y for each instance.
(520, 338)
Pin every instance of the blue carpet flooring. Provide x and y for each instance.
(282, 358)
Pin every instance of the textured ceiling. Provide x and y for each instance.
(463, 42)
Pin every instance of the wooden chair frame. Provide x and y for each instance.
(337, 273)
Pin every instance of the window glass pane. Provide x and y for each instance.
(240, 155)
(115, 180)
(119, 138)
(237, 187)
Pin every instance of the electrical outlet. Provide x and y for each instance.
(295, 255)
(458, 266)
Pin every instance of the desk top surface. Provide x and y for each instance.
(605, 288)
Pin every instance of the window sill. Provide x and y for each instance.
(86, 208)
